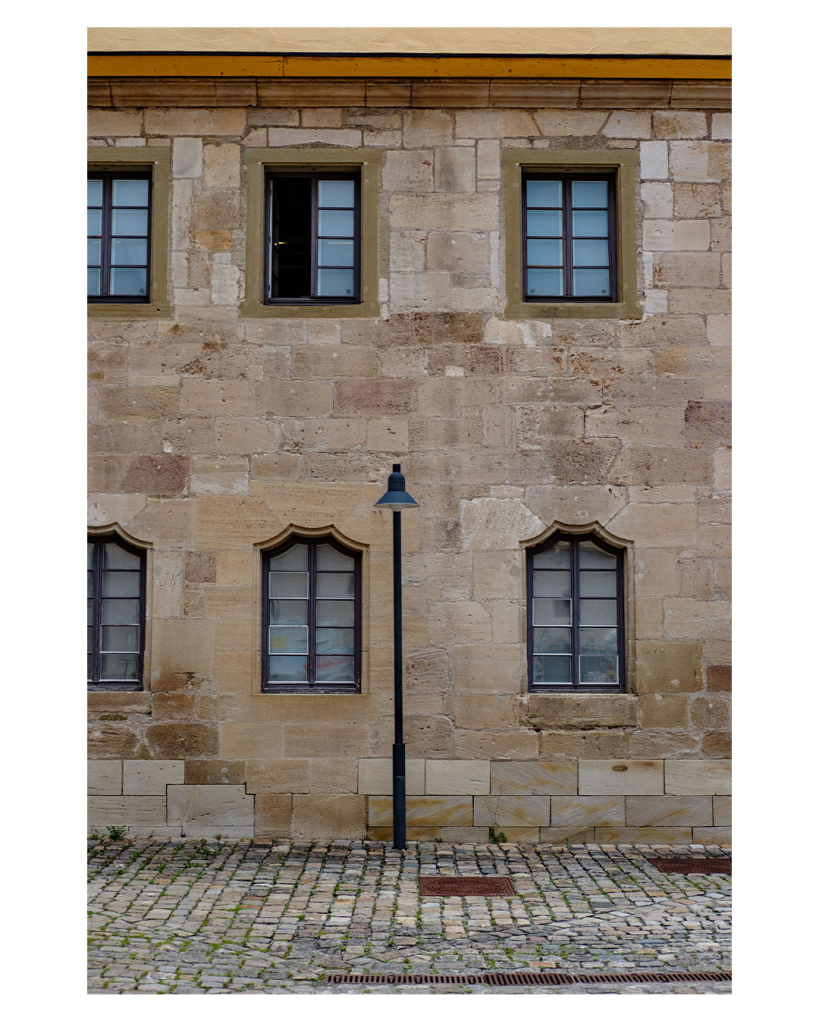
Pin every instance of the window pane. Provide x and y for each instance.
(285, 669)
(544, 222)
(552, 584)
(95, 222)
(129, 251)
(335, 282)
(590, 224)
(336, 223)
(94, 192)
(591, 253)
(292, 640)
(600, 671)
(335, 641)
(130, 193)
(591, 282)
(288, 613)
(294, 558)
(90, 612)
(93, 282)
(129, 282)
(120, 638)
(90, 549)
(336, 193)
(93, 252)
(593, 557)
(336, 253)
(329, 557)
(89, 635)
(555, 557)
(333, 669)
(590, 193)
(335, 613)
(544, 251)
(288, 584)
(337, 584)
(544, 193)
(552, 671)
(598, 584)
(129, 222)
(549, 612)
(119, 667)
(115, 557)
(598, 641)
(90, 667)
(544, 282)
(594, 612)
(121, 612)
(120, 584)
(548, 640)
(90, 592)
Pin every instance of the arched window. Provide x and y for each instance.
(575, 615)
(311, 630)
(116, 613)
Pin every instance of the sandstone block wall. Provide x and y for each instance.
(212, 433)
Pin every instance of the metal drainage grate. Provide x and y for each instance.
(692, 865)
(507, 978)
(479, 885)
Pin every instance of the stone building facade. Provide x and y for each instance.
(221, 427)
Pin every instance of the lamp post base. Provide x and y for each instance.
(399, 797)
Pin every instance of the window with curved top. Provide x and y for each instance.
(575, 615)
(116, 613)
(311, 630)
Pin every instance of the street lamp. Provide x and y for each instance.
(397, 499)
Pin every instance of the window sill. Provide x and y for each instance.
(129, 310)
(573, 310)
(254, 308)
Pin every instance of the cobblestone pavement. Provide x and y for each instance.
(212, 917)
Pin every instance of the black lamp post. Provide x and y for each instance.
(397, 499)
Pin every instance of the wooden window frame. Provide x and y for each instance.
(576, 686)
(311, 686)
(95, 682)
(107, 178)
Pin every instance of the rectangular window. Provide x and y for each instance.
(116, 613)
(119, 236)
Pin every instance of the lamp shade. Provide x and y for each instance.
(396, 497)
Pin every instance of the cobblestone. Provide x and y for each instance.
(226, 917)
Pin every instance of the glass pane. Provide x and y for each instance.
(335, 613)
(544, 193)
(288, 584)
(336, 253)
(594, 612)
(121, 667)
(552, 671)
(130, 193)
(593, 557)
(288, 670)
(294, 558)
(590, 224)
(549, 640)
(90, 612)
(90, 548)
(94, 192)
(93, 252)
(598, 641)
(590, 193)
(95, 222)
(120, 584)
(544, 222)
(120, 638)
(591, 282)
(547, 251)
(335, 282)
(292, 640)
(288, 613)
(90, 592)
(93, 282)
(591, 253)
(329, 557)
(544, 282)
(130, 222)
(549, 612)
(336, 223)
(330, 669)
(129, 251)
(336, 584)
(115, 557)
(552, 584)
(122, 612)
(129, 282)
(336, 193)
(602, 671)
(556, 557)
(598, 584)
(335, 641)
(90, 666)
(90, 640)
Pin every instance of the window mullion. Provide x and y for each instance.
(96, 612)
(568, 235)
(105, 239)
(312, 558)
(574, 549)
(314, 238)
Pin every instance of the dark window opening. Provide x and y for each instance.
(116, 613)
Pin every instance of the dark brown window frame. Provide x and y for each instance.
(568, 237)
(95, 683)
(576, 686)
(311, 686)
(107, 177)
(271, 176)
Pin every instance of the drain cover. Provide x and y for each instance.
(481, 885)
(503, 978)
(693, 865)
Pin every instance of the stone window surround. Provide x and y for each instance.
(157, 161)
(367, 162)
(624, 163)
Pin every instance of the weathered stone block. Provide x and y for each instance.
(190, 121)
(621, 777)
(520, 745)
(214, 773)
(375, 776)
(556, 745)
(628, 124)
(559, 836)
(187, 158)
(517, 811)
(524, 778)
(663, 711)
(680, 124)
(423, 810)
(711, 713)
(688, 270)
(670, 235)
(126, 810)
(668, 810)
(454, 169)
(722, 810)
(278, 776)
(308, 739)
(486, 668)
(112, 740)
(104, 778)
(555, 710)
(569, 122)
(668, 835)
(429, 735)
(326, 817)
(457, 777)
(123, 703)
(209, 806)
(333, 775)
(697, 199)
(588, 810)
(657, 525)
(653, 160)
(668, 667)
(705, 777)
(156, 474)
(222, 165)
(700, 161)
(718, 677)
(183, 740)
(114, 122)
(715, 834)
(273, 816)
(149, 778)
